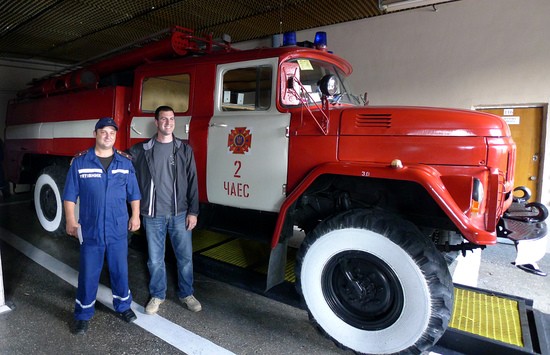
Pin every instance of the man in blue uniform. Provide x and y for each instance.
(104, 179)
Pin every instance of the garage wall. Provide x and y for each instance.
(464, 54)
(467, 54)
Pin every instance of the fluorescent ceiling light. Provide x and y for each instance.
(396, 5)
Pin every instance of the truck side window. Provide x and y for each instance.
(171, 90)
(247, 89)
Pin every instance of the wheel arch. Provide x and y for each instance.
(29, 166)
(426, 177)
(348, 171)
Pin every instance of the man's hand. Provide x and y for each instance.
(134, 223)
(191, 222)
(71, 225)
(71, 228)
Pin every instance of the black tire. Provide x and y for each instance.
(450, 257)
(374, 284)
(48, 201)
(540, 210)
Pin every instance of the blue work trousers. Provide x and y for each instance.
(156, 229)
(91, 263)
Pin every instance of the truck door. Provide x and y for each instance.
(247, 138)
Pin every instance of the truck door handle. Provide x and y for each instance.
(133, 127)
(218, 125)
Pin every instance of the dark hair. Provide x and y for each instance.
(162, 108)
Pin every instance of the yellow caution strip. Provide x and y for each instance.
(205, 239)
(239, 252)
(488, 316)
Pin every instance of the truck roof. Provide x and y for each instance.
(178, 46)
(283, 53)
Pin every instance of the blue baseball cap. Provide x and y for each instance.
(104, 122)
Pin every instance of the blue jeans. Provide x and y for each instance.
(156, 228)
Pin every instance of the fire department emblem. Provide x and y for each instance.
(239, 140)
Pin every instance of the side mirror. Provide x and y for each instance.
(328, 85)
(290, 73)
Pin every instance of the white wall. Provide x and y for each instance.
(468, 53)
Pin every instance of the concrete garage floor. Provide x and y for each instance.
(237, 320)
(233, 319)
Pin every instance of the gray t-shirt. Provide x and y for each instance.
(164, 165)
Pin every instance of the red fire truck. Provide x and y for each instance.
(282, 144)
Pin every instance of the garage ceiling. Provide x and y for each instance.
(74, 31)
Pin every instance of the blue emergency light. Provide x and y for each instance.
(320, 40)
(289, 39)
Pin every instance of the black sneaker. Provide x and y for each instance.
(80, 327)
(128, 315)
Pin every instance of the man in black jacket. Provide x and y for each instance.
(167, 176)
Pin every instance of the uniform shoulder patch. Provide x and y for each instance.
(79, 154)
(124, 154)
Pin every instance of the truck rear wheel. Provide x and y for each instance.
(374, 284)
(47, 199)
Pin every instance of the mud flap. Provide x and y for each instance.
(277, 263)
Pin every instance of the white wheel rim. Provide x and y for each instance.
(48, 225)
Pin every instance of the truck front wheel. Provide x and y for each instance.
(374, 284)
(47, 199)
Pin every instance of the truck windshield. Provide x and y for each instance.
(311, 72)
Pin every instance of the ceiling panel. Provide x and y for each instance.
(73, 31)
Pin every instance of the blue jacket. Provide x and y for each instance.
(103, 211)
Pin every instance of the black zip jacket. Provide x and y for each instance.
(186, 192)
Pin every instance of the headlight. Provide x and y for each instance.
(478, 194)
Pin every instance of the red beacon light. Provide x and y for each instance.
(320, 41)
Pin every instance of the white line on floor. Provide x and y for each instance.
(467, 268)
(171, 333)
